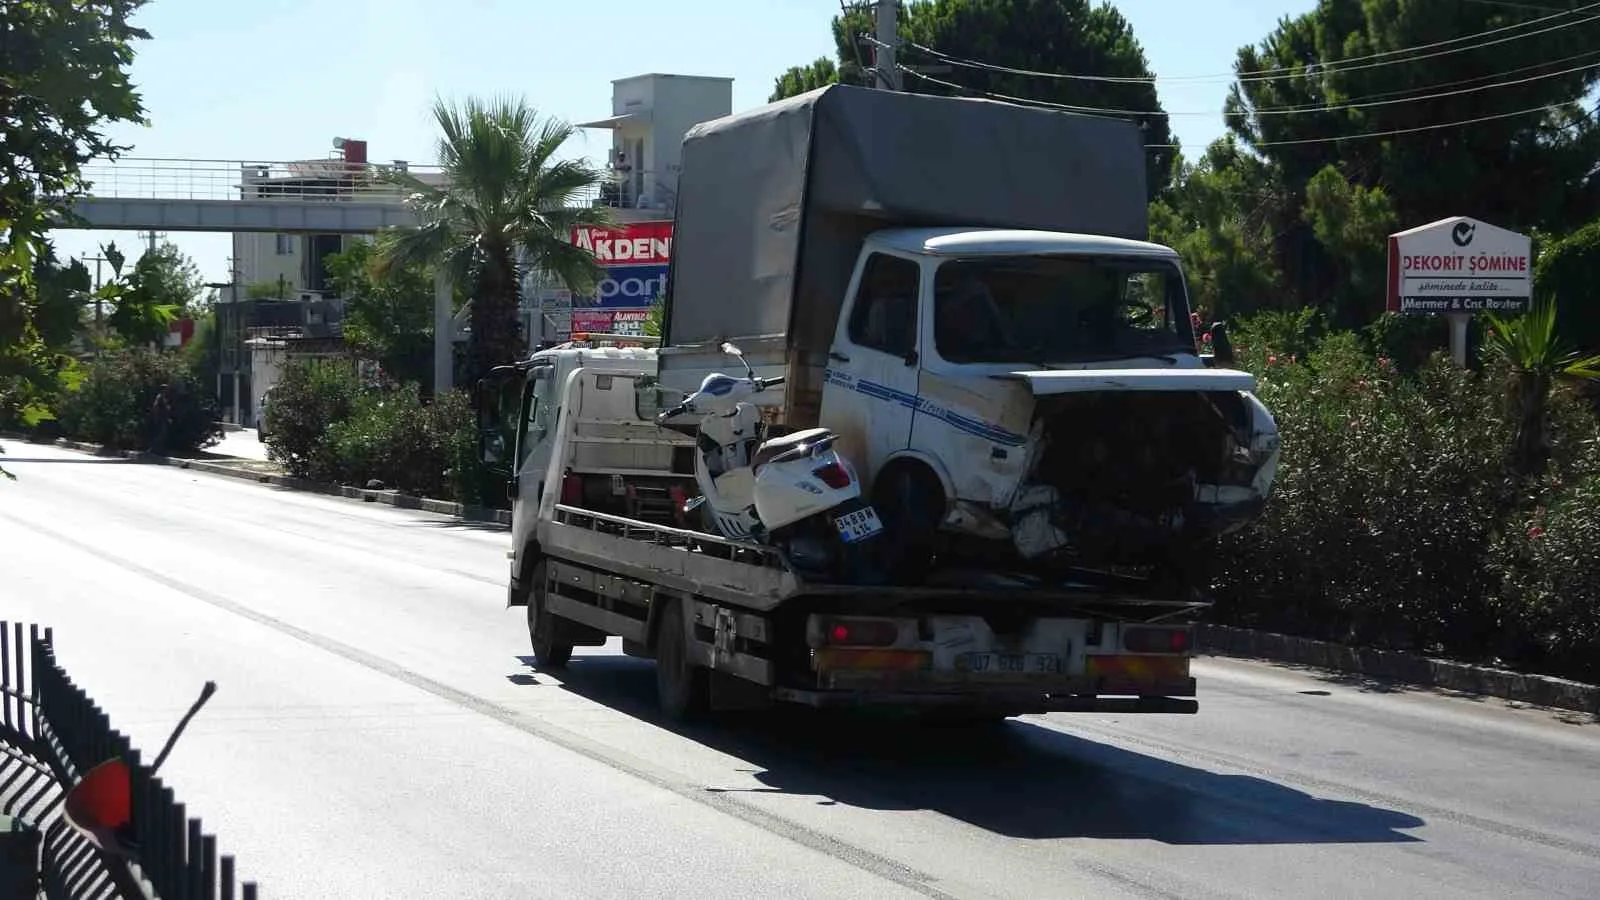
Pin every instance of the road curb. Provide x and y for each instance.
(1538, 690)
(387, 498)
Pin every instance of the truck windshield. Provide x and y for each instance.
(1049, 309)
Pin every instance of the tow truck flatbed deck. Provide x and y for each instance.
(677, 558)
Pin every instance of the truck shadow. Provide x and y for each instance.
(1019, 779)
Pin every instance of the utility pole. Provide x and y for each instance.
(98, 315)
(883, 64)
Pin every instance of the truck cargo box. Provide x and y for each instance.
(773, 203)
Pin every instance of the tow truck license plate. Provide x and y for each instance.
(1025, 663)
(858, 525)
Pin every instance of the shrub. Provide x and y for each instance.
(116, 404)
(311, 395)
(324, 424)
(1395, 521)
(391, 437)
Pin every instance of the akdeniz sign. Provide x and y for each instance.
(1459, 265)
(634, 258)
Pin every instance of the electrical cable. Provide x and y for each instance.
(1308, 109)
(1355, 63)
(1319, 140)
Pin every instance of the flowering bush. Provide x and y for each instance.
(1395, 521)
(326, 424)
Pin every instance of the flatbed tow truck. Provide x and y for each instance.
(730, 628)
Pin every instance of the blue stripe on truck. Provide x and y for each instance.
(969, 425)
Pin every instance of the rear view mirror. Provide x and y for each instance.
(1221, 348)
(489, 400)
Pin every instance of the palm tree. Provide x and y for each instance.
(504, 196)
(1537, 355)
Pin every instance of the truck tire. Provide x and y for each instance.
(910, 500)
(683, 688)
(550, 651)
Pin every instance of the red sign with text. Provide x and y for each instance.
(633, 244)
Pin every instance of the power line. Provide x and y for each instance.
(1410, 92)
(1336, 107)
(1319, 140)
(1355, 63)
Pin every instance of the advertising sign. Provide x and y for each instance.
(610, 321)
(1459, 265)
(635, 258)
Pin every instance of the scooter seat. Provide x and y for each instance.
(783, 444)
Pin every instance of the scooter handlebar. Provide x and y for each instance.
(771, 382)
(671, 413)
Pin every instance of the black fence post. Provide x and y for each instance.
(5, 680)
(194, 872)
(208, 866)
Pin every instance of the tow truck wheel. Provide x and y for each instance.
(549, 651)
(683, 687)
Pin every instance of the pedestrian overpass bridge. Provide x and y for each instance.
(323, 196)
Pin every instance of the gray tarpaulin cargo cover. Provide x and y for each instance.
(773, 203)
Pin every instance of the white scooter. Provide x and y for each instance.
(794, 493)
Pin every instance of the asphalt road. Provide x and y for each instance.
(377, 733)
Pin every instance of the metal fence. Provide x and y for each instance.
(51, 733)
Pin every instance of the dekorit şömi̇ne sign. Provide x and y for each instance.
(1459, 265)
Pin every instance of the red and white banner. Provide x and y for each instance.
(633, 244)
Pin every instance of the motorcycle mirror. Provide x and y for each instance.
(731, 350)
(100, 805)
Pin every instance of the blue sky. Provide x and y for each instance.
(279, 79)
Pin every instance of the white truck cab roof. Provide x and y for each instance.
(1012, 242)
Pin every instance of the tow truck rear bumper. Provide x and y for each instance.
(1011, 702)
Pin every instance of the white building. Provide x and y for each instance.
(650, 114)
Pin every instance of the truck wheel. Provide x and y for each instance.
(683, 687)
(544, 630)
(911, 501)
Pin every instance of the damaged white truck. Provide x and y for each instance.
(959, 293)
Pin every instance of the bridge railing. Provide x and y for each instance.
(136, 178)
(141, 178)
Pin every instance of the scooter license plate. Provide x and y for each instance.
(858, 525)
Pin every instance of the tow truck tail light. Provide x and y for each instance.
(679, 497)
(860, 633)
(571, 490)
(1157, 640)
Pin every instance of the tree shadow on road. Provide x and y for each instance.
(1018, 779)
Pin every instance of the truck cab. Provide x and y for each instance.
(1041, 390)
(618, 462)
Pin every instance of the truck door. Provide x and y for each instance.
(534, 433)
(870, 394)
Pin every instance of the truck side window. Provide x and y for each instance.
(535, 415)
(885, 313)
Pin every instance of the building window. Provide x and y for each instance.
(285, 244)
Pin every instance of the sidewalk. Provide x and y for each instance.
(239, 445)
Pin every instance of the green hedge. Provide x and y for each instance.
(116, 404)
(1396, 523)
(324, 424)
